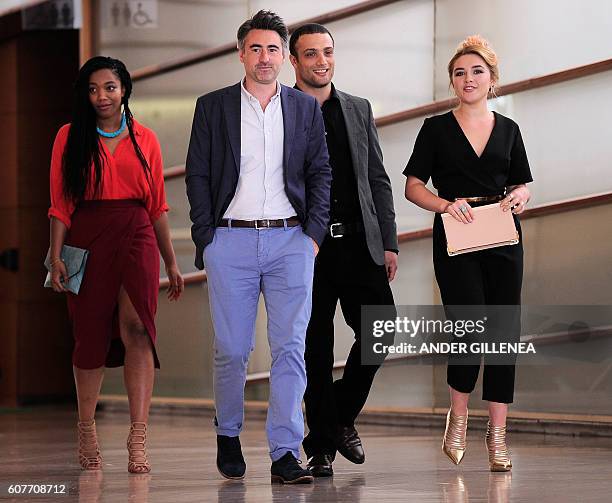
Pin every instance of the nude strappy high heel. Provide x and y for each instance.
(89, 451)
(137, 438)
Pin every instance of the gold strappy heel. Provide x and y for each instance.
(499, 457)
(454, 443)
(89, 451)
(137, 438)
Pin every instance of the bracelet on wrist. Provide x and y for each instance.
(56, 261)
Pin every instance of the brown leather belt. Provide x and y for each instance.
(260, 224)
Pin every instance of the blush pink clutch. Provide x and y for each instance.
(490, 228)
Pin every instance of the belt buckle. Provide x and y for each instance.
(331, 231)
(265, 225)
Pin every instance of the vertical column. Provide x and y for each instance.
(8, 215)
(35, 341)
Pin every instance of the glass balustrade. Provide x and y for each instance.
(566, 262)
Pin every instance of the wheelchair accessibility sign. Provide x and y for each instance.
(129, 13)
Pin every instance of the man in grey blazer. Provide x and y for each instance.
(258, 181)
(358, 257)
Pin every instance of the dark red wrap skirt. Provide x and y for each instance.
(122, 251)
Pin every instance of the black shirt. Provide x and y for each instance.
(443, 153)
(344, 203)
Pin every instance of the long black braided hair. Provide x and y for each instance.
(83, 150)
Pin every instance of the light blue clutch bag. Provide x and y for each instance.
(75, 260)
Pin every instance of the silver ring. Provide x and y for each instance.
(463, 209)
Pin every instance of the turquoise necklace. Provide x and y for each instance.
(114, 134)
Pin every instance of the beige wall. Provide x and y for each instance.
(531, 38)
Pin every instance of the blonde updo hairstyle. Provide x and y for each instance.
(475, 44)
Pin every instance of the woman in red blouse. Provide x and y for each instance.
(107, 196)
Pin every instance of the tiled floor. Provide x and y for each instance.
(37, 446)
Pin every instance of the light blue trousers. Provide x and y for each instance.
(241, 263)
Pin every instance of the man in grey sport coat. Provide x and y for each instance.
(358, 257)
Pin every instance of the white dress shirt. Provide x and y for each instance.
(260, 193)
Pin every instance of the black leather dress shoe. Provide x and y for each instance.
(230, 462)
(287, 470)
(320, 465)
(349, 445)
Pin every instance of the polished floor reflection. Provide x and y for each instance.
(37, 446)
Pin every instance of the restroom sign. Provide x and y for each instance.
(129, 14)
(53, 15)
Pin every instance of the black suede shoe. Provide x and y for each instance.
(287, 470)
(230, 462)
(349, 445)
(320, 465)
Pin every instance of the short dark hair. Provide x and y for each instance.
(306, 29)
(263, 20)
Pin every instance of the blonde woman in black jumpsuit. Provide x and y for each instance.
(474, 157)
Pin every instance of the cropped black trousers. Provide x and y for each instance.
(484, 278)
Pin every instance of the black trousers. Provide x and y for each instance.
(490, 277)
(345, 272)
